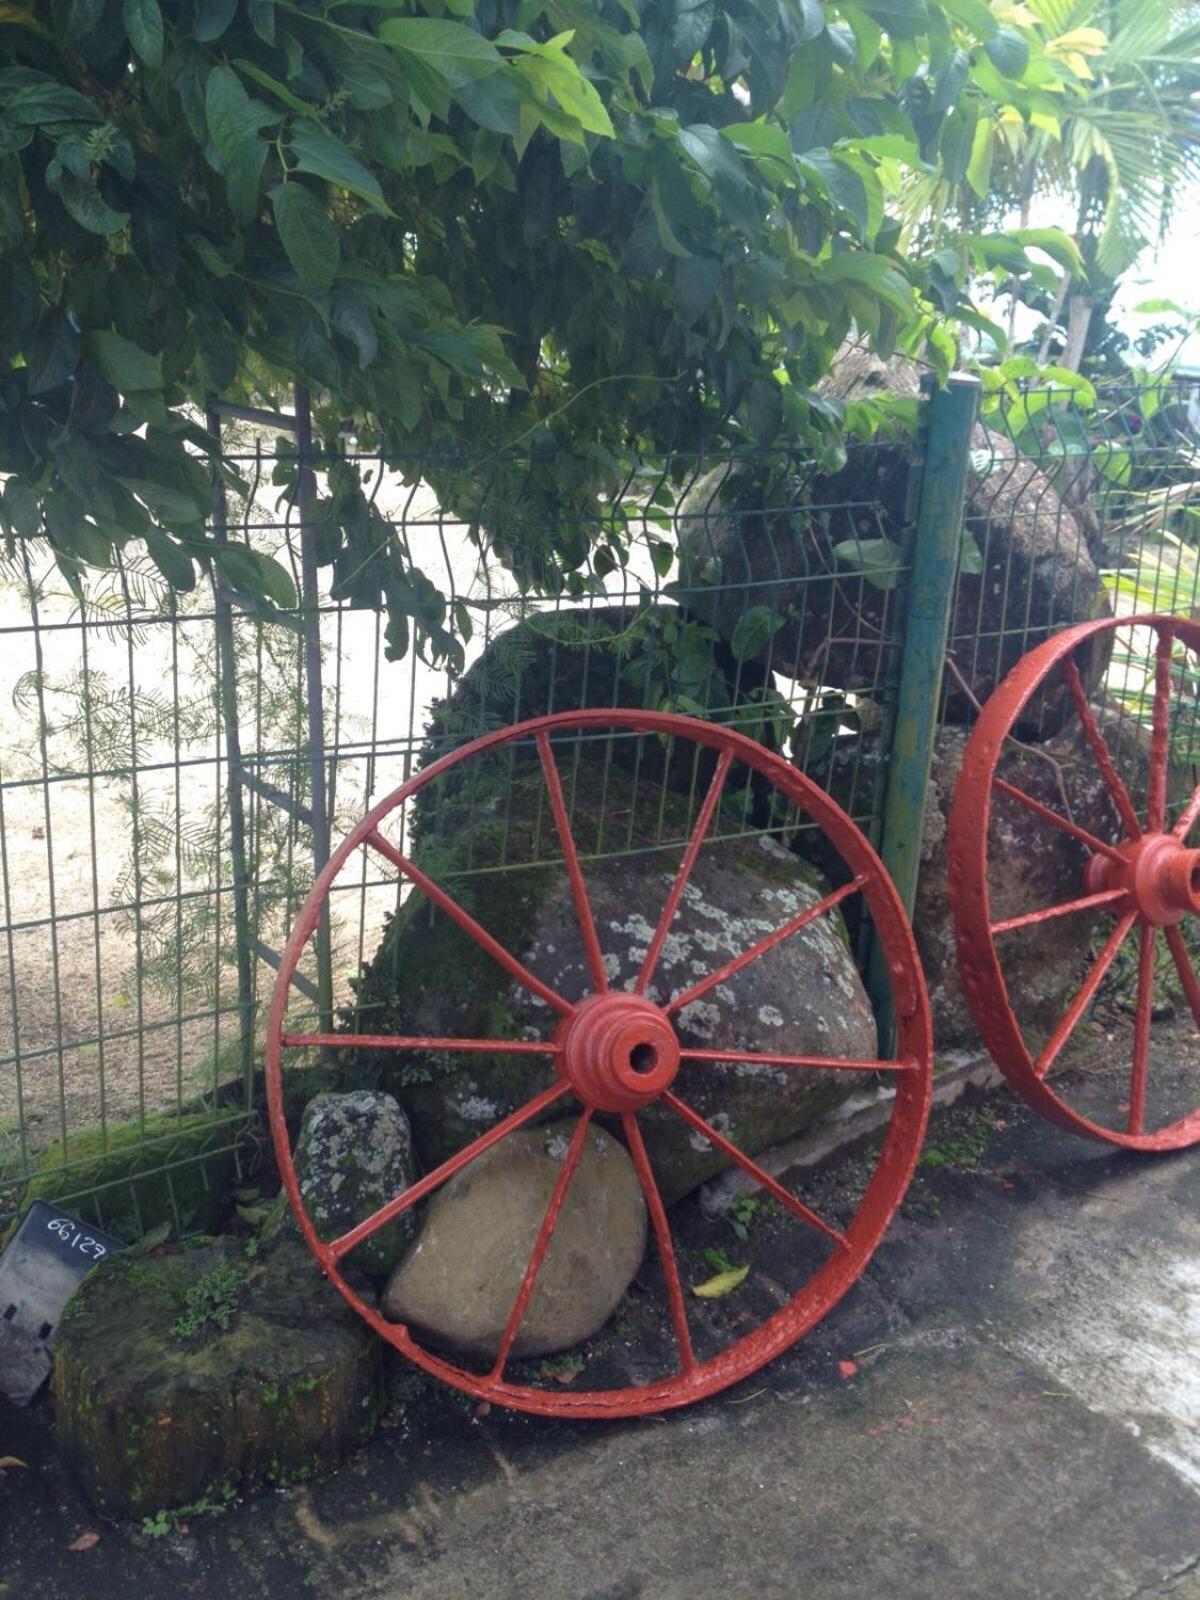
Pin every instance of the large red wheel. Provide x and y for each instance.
(1141, 883)
(615, 1053)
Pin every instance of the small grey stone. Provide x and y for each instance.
(354, 1153)
(458, 1283)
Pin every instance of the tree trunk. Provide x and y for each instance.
(1079, 318)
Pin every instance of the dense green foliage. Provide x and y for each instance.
(564, 230)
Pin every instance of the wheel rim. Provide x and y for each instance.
(616, 1052)
(1146, 884)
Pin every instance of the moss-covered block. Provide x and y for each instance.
(188, 1376)
(131, 1176)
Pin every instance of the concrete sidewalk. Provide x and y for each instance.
(1023, 1424)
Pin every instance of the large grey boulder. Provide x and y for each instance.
(804, 996)
(1031, 865)
(604, 656)
(1029, 571)
(354, 1153)
(458, 1283)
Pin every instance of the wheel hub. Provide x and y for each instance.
(1158, 873)
(619, 1052)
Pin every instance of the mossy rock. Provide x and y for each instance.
(1034, 574)
(354, 1153)
(1029, 863)
(427, 977)
(187, 1377)
(131, 1176)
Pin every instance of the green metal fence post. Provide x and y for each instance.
(310, 600)
(227, 687)
(934, 549)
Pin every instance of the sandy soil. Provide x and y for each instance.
(80, 1031)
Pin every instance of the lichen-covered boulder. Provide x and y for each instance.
(458, 1283)
(804, 996)
(184, 1378)
(354, 1153)
(1030, 572)
(1031, 865)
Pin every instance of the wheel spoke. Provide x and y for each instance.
(756, 1058)
(768, 943)
(1086, 990)
(398, 1041)
(1089, 902)
(1099, 745)
(1188, 816)
(455, 1163)
(1187, 975)
(1141, 1029)
(662, 1237)
(685, 870)
(541, 1244)
(1098, 846)
(467, 923)
(761, 1177)
(1156, 781)
(583, 908)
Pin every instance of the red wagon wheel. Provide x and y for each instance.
(1145, 886)
(615, 1053)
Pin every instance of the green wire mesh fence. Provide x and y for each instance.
(172, 768)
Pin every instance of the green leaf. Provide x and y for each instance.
(82, 200)
(169, 504)
(210, 255)
(903, 19)
(254, 573)
(1059, 246)
(452, 50)
(877, 559)
(233, 122)
(20, 508)
(983, 145)
(171, 560)
(1160, 307)
(144, 26)
(326, 157)
(550, 69)
(970, 556)
(973, 14)
(957, 142)
(262, 19)
(124, 364)
(273, 86)
(1008, 53)
(753, 631)
(212, 19)
(49, 105)
(307, 234)
(723, 1283)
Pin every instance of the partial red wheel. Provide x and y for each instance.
(616, 1052)
(1141, 883)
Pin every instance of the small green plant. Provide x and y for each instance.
(716, 1260)
(562, 1369)
(964, 1152)
(741, 1212)
(212, 1300)
(159, 1525)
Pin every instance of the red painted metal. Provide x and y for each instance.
(711, 801)
(1149, 879)
(617, 1052)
